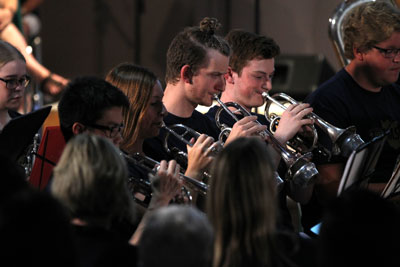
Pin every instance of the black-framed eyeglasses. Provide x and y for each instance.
(113, 131)
(13, 83)
(388, 53)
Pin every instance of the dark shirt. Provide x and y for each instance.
(343, 103)
(155, 148)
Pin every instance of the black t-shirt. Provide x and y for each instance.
(343, 103)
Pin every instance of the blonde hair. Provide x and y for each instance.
(369, 24)
(91, 181)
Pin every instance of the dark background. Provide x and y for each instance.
(81, 37)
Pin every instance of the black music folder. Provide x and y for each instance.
(19, 132)
(361, 163)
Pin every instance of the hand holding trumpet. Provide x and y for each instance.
(292, 121)
(200, 155)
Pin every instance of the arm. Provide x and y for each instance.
(166, 185)
(30, 5)
(328, 181)
(12, 35)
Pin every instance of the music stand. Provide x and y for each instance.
(392, 186)
(19, 132)
(361, 163)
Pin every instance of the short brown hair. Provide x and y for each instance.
(368, 24)
(247, 46)
(190, 46)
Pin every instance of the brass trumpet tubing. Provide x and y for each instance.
(152, 166)
(180, 137)
(300, 169)
(343, 140)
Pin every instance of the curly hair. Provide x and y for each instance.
(190, 47)
(247, 46)
(369, 24)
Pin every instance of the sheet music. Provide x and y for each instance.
(353, 169)
(393, 185)
(361, 163)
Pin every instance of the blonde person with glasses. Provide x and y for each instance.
(364, 93)
(13, 81)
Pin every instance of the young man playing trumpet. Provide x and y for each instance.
(250, 72)
(197, 61)
(364, 93)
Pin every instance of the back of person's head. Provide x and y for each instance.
(190, 47)
(90, 179)
(241, 202)
(369, 24)
(9, 53)
(359, 228)
(12, 178)
(35, 231)
(137, 83)
(85, 99)
(178, 236)
(247, 46)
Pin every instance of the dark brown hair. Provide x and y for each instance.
(190, 47)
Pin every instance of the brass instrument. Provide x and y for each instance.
(152, 166)
(344, 141)
(300, 169)
(28, 158)
(187, 132)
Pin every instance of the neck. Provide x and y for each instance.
(361, 76)
(176, 102)
(4, 118)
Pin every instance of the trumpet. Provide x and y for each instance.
(344, 141)
(187, 133)
(152, 167)
(300, 170)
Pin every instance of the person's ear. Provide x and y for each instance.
(358, 54)
(186, 74)
(229, 76)
(78, 128)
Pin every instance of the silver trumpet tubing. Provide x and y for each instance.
(300, 169)
(152, 166)
(185, 136)
(28, 158)
(344, 141)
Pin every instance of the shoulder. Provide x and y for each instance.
(13, 114)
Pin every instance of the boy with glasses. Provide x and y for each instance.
(364, 93)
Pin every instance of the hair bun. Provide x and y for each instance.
(209, 25)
